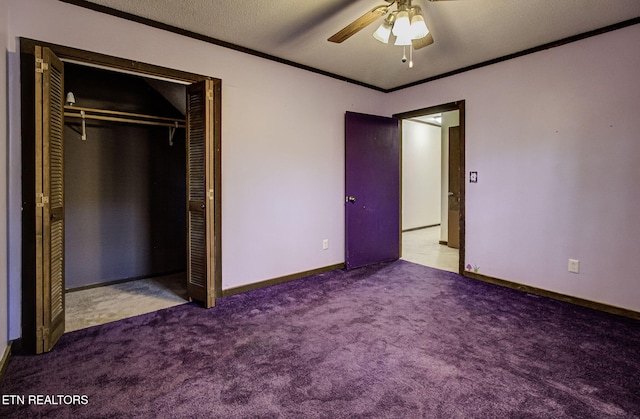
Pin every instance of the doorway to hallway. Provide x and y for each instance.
(433, 186)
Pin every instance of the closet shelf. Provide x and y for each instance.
(126, 117)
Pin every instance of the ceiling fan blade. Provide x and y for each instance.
(422, 42)
(359, 24)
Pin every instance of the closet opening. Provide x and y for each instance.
(143, 145)
(125, 195)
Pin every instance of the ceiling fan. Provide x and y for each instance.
(406, 23)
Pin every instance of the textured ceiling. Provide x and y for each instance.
(466, 32)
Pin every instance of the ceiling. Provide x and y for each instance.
(432, 119)
(466, 32)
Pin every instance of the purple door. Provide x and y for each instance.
(372, 186)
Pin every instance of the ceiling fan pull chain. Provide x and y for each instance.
(404, 54)
(410, 56)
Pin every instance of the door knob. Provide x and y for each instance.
(351, 199)
(202, 206)
(450, 193)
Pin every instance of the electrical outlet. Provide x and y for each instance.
(325, 244)
(574, 266)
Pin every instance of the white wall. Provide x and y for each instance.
(14, 204)
(4, 271)
(421, 174)
(449, 119)
(282, 138)
(552, 136)
(554, 139)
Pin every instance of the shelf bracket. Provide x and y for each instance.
(84, 127)
(172, 131)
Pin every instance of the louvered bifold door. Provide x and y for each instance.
(49, 199)
(200, 193)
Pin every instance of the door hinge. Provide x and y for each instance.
(41, 66)
(211, 194)
(41, 200)
(42, 332)
(210, 94)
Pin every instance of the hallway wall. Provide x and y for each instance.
(421, 174)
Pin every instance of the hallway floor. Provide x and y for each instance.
(423, 247)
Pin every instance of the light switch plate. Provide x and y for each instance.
(574, 266)
(473, 177)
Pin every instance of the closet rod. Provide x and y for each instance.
(89, 114)
(132, 121)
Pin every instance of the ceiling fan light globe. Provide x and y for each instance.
(418, 27)
(383, 33)
(402, 26)
(403, 40)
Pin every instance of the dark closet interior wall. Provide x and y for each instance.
(125, 185)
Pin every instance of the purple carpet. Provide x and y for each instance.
(397, 340)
